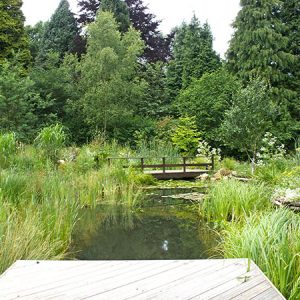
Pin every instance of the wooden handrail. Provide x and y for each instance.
(164, 165)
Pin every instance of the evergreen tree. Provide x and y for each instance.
(60, 32)
(52, 81)
(36, 34)
(155, 104)
(18, 101)
(193, 55)
(109, 85)
(12, 33)
(259, 48)
(120, 11)
(290, 15)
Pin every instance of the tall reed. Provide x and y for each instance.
(231, 200)
(272, 240)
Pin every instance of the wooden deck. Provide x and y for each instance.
(183, 279)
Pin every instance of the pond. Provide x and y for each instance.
(164, 228)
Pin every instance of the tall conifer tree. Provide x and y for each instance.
(12, 33)
(259, 48)
(290, 16)
(193, 55)
(120, 11)
(61, 31)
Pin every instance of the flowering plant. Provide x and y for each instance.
(204, 149)
(270, 149)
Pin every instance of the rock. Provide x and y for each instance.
(203, 177)
(225, 172)
(289, 198)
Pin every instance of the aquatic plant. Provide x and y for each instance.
(51, 140)
(272, 241)
(230, 200)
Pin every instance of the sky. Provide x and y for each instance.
(218, 13)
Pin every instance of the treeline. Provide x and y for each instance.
(111, 71)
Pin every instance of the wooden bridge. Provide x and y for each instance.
(221, 279)
(166, 170)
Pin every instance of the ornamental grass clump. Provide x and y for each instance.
(231, 200)
(272, 241)
(51, 140)
(8, 148)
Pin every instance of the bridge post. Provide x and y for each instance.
(164, 165)
(213, 162)
(184, 164)
(142, 164)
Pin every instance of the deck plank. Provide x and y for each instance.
(168, 279)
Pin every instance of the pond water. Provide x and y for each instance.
(164, 228)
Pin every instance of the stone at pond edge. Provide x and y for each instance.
(287, 198)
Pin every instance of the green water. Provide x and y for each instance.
(162, 229)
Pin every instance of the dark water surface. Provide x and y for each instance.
(164, 228)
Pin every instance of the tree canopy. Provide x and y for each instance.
(109, 84)
(60, 32)
(13, 38)
(192, 56)
(156, 46)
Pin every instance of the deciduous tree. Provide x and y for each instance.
(207, 99)
(109, 84)
(157, 47)
(248, 119)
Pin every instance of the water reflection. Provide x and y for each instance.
(154, 232)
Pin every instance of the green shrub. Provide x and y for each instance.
(229, 163)
(186, 136)
(271, 173)
(272, 241)
(85, 160)
(142, 179)
(231, 200)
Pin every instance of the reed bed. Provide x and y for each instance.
(40, 200)
(272, 241)
(231, 200)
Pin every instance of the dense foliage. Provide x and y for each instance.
(111, 71)
(12, 34)
(135, 12)
(262, 47)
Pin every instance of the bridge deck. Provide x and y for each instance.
(175, 174)
(185, 279)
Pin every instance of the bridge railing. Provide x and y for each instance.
(164, 165)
